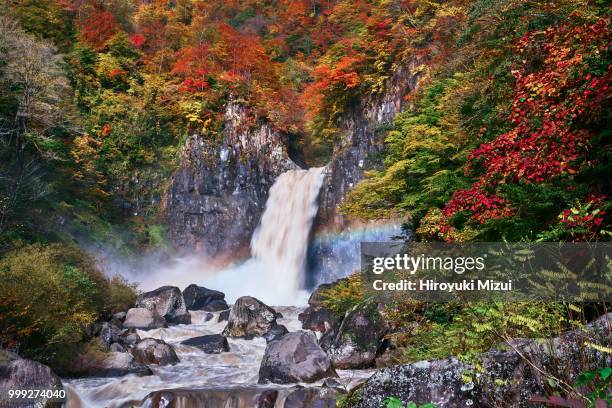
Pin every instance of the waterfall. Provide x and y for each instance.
(276, 272)
(281, 239)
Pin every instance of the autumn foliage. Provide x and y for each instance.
(552, 108)
(506, 137)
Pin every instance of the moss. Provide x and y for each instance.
(351, 399)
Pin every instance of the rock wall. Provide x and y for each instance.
(362, 134)
(334, 249)
(217, 195)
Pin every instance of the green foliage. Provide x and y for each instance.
(394, 402)
(445, 330)
(50, 296)
(424, 153)
(121, 295)
(344, 295)
(598, 383)
(350, 399)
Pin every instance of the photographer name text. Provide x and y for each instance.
(430, 285)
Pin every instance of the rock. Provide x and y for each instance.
(334, 384)
(315, 301)
(250, 318)
(17, 373)
(359, 338)
(504, 378)
(311, 397)
(201, 298)
(106, 334)
(144, 319)
(216, 196)
(110, 334)
(112, 364)
(211, 344)
(117, 347)
(275, 333)
(358, 147)
(120, 316)
(167, 302)
(223, 316)
(154, 351)
(357, 150)
(208, 317)
(217, 305)
(296, 357)
(317, 317)
(244, 396)
(327, 340)
(267, 399)
(130, 338)
(321, 320)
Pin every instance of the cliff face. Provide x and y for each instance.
(334, 249)
(363, 132)
(217, 195)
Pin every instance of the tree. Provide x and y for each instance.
(34, 92)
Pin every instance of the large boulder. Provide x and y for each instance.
(18, 374)
(144, 319)
(210, 344)
(212, 397)
(200, 298)
(112, 364)
(504, 378)
(167, 302)
(360, 337)
(154, 351)
(250, 318)
(295, 357)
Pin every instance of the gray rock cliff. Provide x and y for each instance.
(216, 197)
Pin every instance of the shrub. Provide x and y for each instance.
(49, 297)
(343, 295)
(465, 330)
(121, 295)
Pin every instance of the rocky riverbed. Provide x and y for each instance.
(215, 360)
(161, 354)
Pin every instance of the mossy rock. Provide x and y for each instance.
(360, 337)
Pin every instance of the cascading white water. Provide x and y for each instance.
(230, 372)
(281, 240)
(275, 273)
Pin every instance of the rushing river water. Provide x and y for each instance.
(231, 372)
